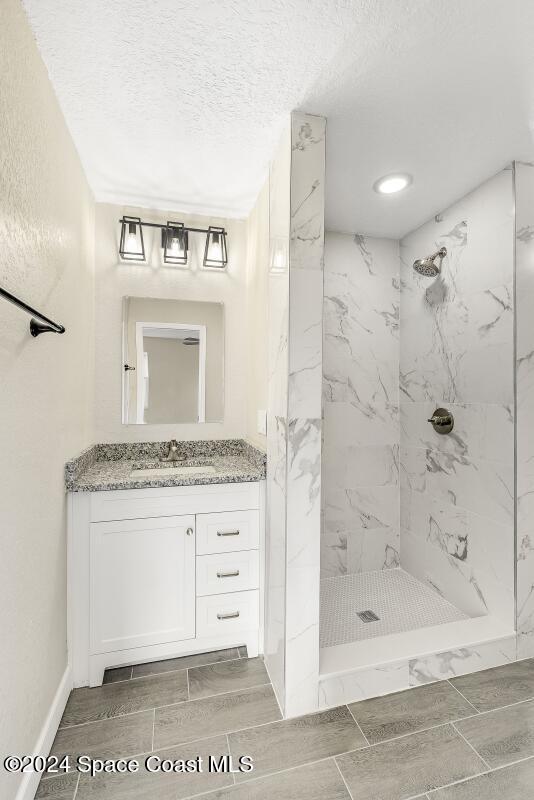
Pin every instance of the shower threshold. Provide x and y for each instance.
(419, 638)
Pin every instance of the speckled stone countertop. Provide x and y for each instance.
(104, 467)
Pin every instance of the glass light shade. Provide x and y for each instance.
(215, 254)
(175, 243)
(132, 246)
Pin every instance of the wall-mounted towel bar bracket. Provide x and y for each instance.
(37, 326)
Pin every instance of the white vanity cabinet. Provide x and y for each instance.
(163, 572)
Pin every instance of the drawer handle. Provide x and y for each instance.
(232, 615)
(228, 574)
(227, 533)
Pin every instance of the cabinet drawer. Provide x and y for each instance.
(225, 613)
(229, 572)
(226, 532)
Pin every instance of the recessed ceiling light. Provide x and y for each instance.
(390, 184)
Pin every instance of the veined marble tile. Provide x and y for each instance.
(363, 683)
(481, 430)
(372, 549)
(333, 552)
(413, 468)
(484, 487)
(373, 425)
(441, 666)
(369, 508)
(306, 339)
(470, 588)
(475, 541)
(524, 183)
(307, 191)
(352, 256)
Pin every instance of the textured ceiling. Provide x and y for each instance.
(179, 104)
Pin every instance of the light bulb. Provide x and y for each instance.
(390, 184)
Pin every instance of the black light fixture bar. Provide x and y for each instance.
(162, 226)
(37, 326)
(215, 251)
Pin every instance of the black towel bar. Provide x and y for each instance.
(37, 326)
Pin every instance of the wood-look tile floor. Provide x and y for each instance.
(470, 738)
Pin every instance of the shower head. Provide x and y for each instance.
(427, 266)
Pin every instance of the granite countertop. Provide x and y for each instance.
(104, 467)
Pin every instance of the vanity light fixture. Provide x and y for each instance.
(215, 255)
(391, 184)
(175, 243)
(132, 246)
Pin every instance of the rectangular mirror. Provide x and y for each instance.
(173, 361)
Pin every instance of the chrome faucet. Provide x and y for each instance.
(173, 454)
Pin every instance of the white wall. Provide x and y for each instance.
(257, 314)
(116, 279)
(46, 399)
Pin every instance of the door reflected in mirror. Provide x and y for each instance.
(173, 361)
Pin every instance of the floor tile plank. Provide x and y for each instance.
(320, 781)
(511, 783)
(60, 787)
(409, 711)
(501, 736)
(146, 785)
(297, 741)
(115, 699)
(409, 766)
(227, 676)
(214, 715)
(111, 738)
(184, 662)
(497, 687)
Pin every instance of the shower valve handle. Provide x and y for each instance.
(442, 420)
(445, 420)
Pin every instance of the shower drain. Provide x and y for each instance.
(368, 616)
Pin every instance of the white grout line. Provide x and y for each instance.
(471, 746)
(170, 671)
(462, 695)
(153, 728)
(76, 787)
(230, 754)
(166, 705)
(431, 792)
(343, 777)
(358, 724)
(188, 689)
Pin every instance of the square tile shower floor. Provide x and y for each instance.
(402, 603)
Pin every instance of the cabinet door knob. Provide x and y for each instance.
(189, 531)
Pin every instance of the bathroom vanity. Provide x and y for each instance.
(164, 559)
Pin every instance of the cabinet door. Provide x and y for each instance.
(142, 582)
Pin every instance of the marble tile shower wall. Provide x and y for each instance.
(297, 180)
(524, 183)
(457, 351)
(360, 405)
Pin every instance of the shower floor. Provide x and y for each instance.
(401, 602)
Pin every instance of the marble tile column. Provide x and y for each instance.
(294, 415)
(524, 249)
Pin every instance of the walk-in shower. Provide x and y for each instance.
(418, 518)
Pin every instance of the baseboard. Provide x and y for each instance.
(30, 780)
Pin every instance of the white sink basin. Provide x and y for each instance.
(155, 472)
